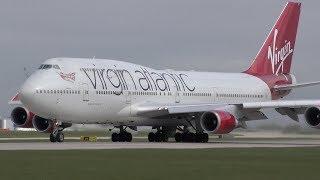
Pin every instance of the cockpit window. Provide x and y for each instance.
(49, 66)
(41, 66)
(56, 67)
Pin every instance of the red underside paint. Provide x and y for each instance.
(273, 80)
(28, 123)
(227, 122)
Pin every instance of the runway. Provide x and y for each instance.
(169, 145)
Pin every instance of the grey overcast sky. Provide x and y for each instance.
(198, 35)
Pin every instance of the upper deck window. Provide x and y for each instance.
(49, 66)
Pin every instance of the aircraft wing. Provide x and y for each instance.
(285, 107)
(281, 104)
(154, 110)
(15, 100)
(292, 86)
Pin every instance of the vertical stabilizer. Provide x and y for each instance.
(275, 55)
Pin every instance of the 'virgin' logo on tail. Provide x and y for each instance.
(277, 57)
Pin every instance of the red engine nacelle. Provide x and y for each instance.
(42, 124)
(218, 122)
(21, 117)
(312, 116)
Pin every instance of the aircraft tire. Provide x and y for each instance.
(52, 138)
(178, 137)
(60, 137)
(158, 137)
(151, 137)
(115, 137)
(128, 137)
(205, 138)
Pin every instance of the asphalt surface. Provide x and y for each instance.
(171, 145)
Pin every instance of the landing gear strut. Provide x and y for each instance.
(123, 136)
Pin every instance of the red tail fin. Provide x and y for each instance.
(276, 53)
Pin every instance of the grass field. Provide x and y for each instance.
(254, 163)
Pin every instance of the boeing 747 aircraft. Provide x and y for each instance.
(186, 105)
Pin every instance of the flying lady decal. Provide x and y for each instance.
(71, 77)
(277, 57)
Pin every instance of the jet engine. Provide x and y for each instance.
(312, 116)
(42, 124)
(218, 122)
(21, 117)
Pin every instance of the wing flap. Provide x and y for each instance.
(281, 104)
(292, 86)
(154, 110)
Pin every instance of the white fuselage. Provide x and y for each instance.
(104, 91)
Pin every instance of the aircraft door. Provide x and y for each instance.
(177, 96)
(85, 92)
(127, 95)
(214, 94)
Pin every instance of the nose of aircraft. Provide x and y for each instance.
(32, 93)
(27, 91)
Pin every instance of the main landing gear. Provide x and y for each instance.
(157, 137)
(162, 135)
(191, 137)
(123, 136)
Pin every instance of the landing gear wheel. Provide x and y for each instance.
(178, 137)
(191, 137)
(199, 137)
(128, 137)
(151, 137)
(158, 137)
(121, 137)
(205, 138)
(60, 137)
(164, 137)
(52, 138)
(114, 137)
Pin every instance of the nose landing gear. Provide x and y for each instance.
(57, 134)
(57, 137)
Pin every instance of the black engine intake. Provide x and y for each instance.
(21, 117)
(312, 116)
(42, 124)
